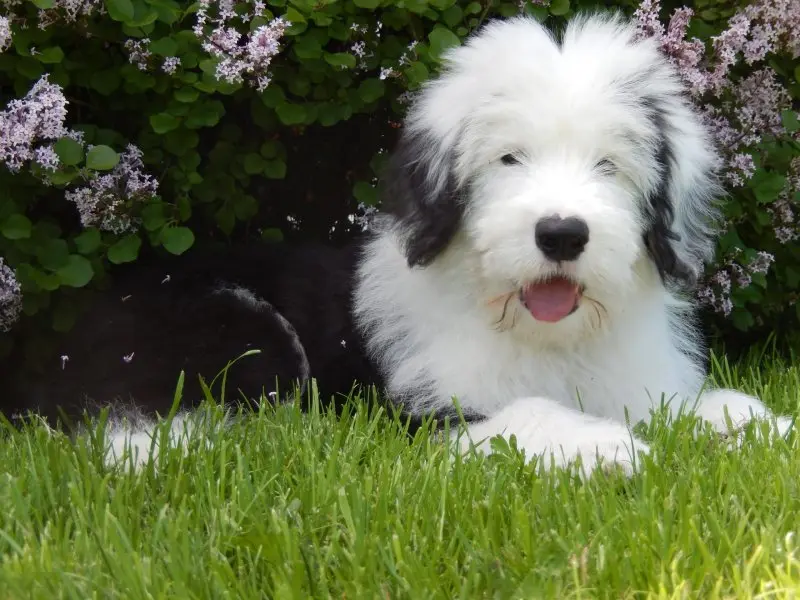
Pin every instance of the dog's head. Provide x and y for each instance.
(567, 170)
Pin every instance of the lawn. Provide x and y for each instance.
(287, 505)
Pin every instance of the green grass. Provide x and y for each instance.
(286, 505)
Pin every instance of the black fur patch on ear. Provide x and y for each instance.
(423, 198)
(659, 238)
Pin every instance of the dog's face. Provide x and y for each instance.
(565, 172)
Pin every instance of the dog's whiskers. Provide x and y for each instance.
(500, 323)
(598, 307)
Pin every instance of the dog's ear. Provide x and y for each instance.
(681, 212)
(420, 191)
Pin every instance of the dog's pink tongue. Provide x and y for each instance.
(551, 300)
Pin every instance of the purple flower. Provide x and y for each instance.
(10, 297)
(29, 121)
(761, 263)
(171, 64)
(108, 200)
(138, 52)
(240, 57)
(46, 158)
(5, 34)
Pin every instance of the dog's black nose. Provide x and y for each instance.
(562, 239)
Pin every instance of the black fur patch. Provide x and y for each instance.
(429, 215)
(660, 211)
(136, 338)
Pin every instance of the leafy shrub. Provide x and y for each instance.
(188, 120)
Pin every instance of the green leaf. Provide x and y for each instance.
(275, 169)
(120, 10)
(559, 7)
(206, 114)
(186, 94)
(307, 48)
(77, 272)
(16, 227)
(368, 4)
(440, 40)
(790, 121)
(153, 217)
(63, 176)
(69, 151)
(106, 82)
(291, 114)
(165, 46)
(164, 122)
(101, 158)
(341, 60)
(366, 193)
(143, 14)
(245, 207)
(177, 240)
(46, 281)
(88, 241)
(269, 149)
(253, 163)
(452, 16)
(51, 56)
(53, 254)
(417, 73)
(767, 185)
(44, 4)
(272, 235)
(225, 218)
(370, 90)
(125, 250)
(294, 16)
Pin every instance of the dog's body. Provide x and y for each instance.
(547, 208)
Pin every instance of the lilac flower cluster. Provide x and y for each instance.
(138, 52)
(748, 109)
(784, 218)
(239, 57)
(717, 293)
(30, 125)
(5, 33)
(108, 200)
(10, 297)
(171, 64)
(359, 50)
(70, 11)
(740, 111)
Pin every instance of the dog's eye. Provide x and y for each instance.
(606, 166)
(509, 159)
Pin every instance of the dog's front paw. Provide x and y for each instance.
(729, 412)
(558, 435)
(608, 447)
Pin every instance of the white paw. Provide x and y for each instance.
(559, 436)
(608, 447)
(729, 412)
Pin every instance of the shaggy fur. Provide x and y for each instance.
(529, 160)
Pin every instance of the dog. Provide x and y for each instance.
(548, 208)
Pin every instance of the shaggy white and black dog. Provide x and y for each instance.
(548, 207)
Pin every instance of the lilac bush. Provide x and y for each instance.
(124, 119)
(10, 297)
(239, 56)
(30, 125)
(745, 110)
